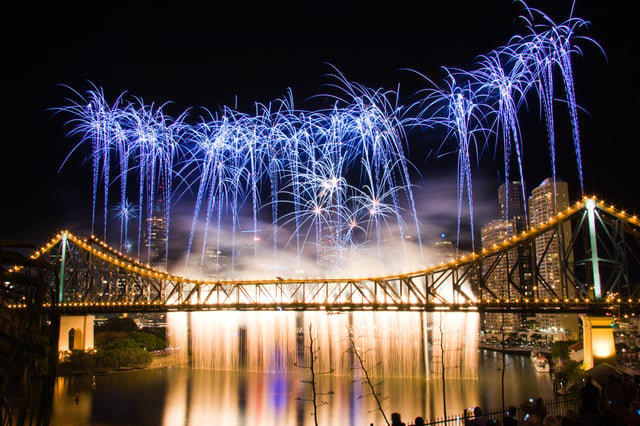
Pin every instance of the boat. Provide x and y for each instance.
(541, 364)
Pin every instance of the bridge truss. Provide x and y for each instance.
(598, 261)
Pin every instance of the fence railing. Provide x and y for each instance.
(555, 407)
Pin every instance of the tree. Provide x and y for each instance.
(560, 350)
(148, 341)
(568, 371)
(443, 365)
(367, 378)
(312, 380)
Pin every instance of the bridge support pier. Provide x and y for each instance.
(599, 345)
(76, 332)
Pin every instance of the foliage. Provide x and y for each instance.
(571, 373)
(115, 349)
(560, 350)
(148, 341)
(123, 343)
(159, 332)
(122, 355)
(78, 361)
(102, 338)
(141, 339)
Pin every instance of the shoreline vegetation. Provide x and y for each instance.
(158, 361)
(163, 358)
(119, 346)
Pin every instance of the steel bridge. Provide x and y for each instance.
(598, 258)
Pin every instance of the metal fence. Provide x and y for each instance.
(555, 407)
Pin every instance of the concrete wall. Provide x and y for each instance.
(82, 326)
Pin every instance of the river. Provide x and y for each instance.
(252, 368)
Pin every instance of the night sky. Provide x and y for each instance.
(240, 55)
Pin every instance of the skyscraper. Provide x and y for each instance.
(512, 206)
(511, 200)
(156, 239)
(516, 267)
(551, 249)
(495, 232)
(545, 203)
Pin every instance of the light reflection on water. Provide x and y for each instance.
(394, 344)
(246, 373)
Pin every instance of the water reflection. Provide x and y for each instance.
(244, 372)
(185, 396)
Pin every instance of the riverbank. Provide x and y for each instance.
(164, 361)
(515, 350)
(158, 361)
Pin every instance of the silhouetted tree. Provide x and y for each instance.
(367, 378)
(312, 380)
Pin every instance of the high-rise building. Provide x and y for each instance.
(497, 282)
(551, 250)
(445, 250)
(215, 262)
(511, 200)
(545, 202)
(156, 239)
(496, 232)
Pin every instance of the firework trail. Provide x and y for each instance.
(456, 108)
(551, 46)
(338, 176)
(504, 79)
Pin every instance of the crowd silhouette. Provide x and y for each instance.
(613, 401)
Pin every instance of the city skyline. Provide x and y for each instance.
(67, 193)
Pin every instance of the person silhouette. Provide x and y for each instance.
(419, 421)
(395, 420)
(477, 419)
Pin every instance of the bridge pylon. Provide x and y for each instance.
(76, 333)
(599, 345)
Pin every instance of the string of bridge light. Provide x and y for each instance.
(132, 265)
(469, 304)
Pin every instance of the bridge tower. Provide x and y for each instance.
(599, 344)
(76, 332)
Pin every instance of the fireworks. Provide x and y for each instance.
(338, 178)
